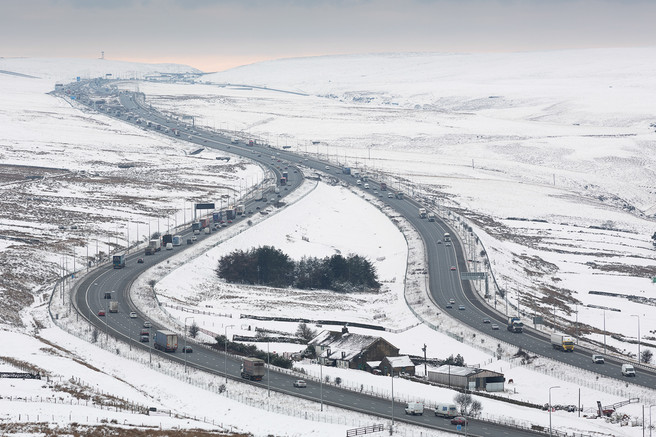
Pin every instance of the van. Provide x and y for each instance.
(366, 186)
(597, 359)
(628, 370)
(414, 408)
(446, 410)
(169, 246)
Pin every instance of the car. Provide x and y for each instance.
(495, 327)
(452, 301)
(453, 268)
(459, 420)
(133, 315)
(140, 261)
(194, 238)
(327, 167)
(147, 325)
(486, 320)
(461, 307)
(300, 383)
(449, 305)
(597, 359)
(144, 331)
(439, 241)
(101, 313)
(390, 195)
(448, 244)
(187, 350)
(144, 338)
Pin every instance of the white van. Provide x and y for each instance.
(597, 359)
(628, 370)
(366, 186)
(446, 410)
(414, 408)
(169, 246)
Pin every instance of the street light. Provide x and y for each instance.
(636, 315)
(650, 428)
(550, 429)
(321, 377)
(225, 352)
(184, 349)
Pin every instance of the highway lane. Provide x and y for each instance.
(90, 300)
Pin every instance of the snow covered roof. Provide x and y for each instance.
(457, 370)
(373, 364)
(402, 361)
(342, 345)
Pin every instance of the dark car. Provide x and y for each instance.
(144, 339)
(187, 350)
(459, 420)
(140, 261)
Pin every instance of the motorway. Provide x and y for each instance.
(444, 285)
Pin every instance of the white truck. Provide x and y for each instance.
(414, 408)
(113, 306)
(446, 410)
(422, 213)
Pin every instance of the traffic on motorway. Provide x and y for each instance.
(445, 256)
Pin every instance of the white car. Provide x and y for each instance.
(133, 315)
(300, 383)
(194, 238)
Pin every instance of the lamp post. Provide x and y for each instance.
(650, 428)
(392, 373)
(550, 429)
(321, 377)
(268, 366)
(604, 331)
(225, 351)
(184, 349)
(636, 315)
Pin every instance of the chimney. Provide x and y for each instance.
(345, 330)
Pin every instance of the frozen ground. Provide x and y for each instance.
(564, 138)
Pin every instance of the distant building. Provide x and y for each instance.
(397, 365)
(350, 351)
(468, 377)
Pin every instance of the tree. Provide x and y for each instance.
(646, 356)
(305, 332)
(463, 401)
(476, 408)
(94, 336)
(193, 330)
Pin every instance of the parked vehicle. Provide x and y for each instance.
(597, 359)
(300, 383)
(118, 261)
(166, 340)
(562, 342)
(252, 368)
(113, 306)
(414, 408)
(628, 370)
(515, 324)
(446, 410)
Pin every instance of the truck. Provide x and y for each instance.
(154, 245)
(422, 212)
(240, 209)
(399, 195)
(204, 222)
(195, 226)
(118, 261)
(414, 408)
(515, 324)
(166, 340)
(216, 217)
(231, 214)
(346, 170)
(446, 410)
(447, 236)
(431, 217)
(251, 143)
(562, 342)
(285, 174)
(383, 186)
(166, 239)
(113, 306)
(252, 368)
(177, 240)
(283, 181)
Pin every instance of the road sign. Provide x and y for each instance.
(470, 276)
(204, 206)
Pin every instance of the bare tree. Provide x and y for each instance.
(463, 401)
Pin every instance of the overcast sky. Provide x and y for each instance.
(214, 35)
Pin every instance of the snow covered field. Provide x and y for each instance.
(562, 139)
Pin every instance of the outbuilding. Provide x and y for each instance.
(471, 378)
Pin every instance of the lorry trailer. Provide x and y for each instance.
(166, 340)
(252, 368)
(118, 261)
(562, 342)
